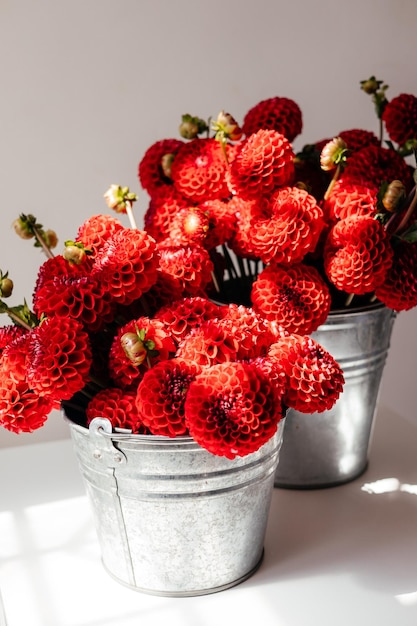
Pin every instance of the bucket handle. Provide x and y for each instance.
(101, 437)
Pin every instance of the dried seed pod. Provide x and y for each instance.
(393, 195)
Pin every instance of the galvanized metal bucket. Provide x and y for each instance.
(331, 448)
(171, 518)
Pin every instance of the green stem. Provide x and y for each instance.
(42, 243)
(332, 183)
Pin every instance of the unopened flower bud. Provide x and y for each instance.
(191, 126)
(118, 197)
(6, 287)
(188, 129)
(50, 238)
(333, 154)
(393, 195)
(226, 127)
(371, 85)
(166, 164)
(22, 228)
(74, 252)
(134, 348)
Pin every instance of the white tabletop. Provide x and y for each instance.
(333, 557)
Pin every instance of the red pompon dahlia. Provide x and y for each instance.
(374, 165)
(8, 334)
(253, 332)
(232, 409)
(264, 162)
(13, 357)
(314, 379)
(280, 114)
(96, 230)
(72, 292)
(291, 229)
(21, 409)
(119, 407)
(58, 358)
(154, 168)
(357, 255)
(246, 212)
(161, 396)
(180, 317)
(210, 343)
(199, 170)
(127, 264)
(295, 297)
(349, 199)
(138, 346)
(162, 209)
(400, 117)
(357, 138)
(221, 222)
(399, 289)
(190, 265)
(189, 226)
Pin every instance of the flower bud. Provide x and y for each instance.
(371, 86)
(6, 286)
(166, 164)
(74, 252)
(393, 195)
(226, 127)
(191, 126)
(118, 197)
(50, 238)
(22, 228)
(333, 154)
(134, 348)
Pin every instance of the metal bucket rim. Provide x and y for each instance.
(359, 310)
(155, 440)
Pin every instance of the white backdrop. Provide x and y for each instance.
(88, 85)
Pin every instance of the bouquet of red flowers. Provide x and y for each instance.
(199, 323)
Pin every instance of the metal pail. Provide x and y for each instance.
(171, 518)
(331, 448)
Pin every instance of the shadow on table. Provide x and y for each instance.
(367, 528)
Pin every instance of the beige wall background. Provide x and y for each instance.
(88, 85)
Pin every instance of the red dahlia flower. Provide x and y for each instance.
(357, 138)
(96, 230)
(280, 114)
(210, 343)
(199, 171)
(264, 162)
(162, 209)
(349, 199)
(399, 289)
(232, 409)
(375, 165)
(22, 410)
(119, 407)
(8, 334)
(58, 358)
(161, 396)
(295, 297)
(148, 335)
(153, 172)
(191, 266)
(180, 317)
(314, 379)
(357, 254)
(290, 229)
(400, 117)
(126, 266)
